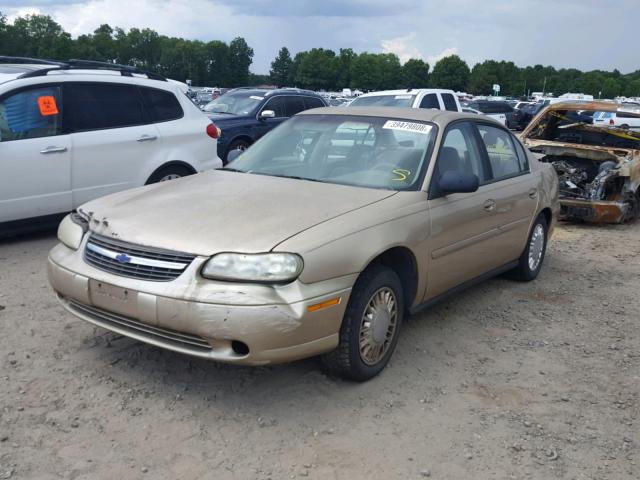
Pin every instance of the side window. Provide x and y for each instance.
(31, 113)
(277, 105)
(460, 152)
(449, 102)
(522, 156)
(312, 102)
(294, 105)
(430, 101)
(162, 106)
(503, 159)
(98, 106)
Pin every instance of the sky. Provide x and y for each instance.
(584, 34)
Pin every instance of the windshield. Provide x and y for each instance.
(568, 126)
(238, 103)
(384, 101)
(345, 149)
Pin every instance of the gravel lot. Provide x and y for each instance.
(506, 381)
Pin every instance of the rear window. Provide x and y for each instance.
(162, 106)
(312, 102)
(400, 100)
(98, 106)
(430, 101)
(449, 102)
(494, 107)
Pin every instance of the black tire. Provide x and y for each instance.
(523, 272)
(161, 174)
(238, 144)
(346, 360)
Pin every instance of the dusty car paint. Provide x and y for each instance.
(337, 230)
(611, 196)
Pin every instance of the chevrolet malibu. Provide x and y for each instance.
(318, 240)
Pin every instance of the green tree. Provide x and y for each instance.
(240, 59)
(415, 73)
(450, 72)
(317, 69)
(345, 60)
(281, 67)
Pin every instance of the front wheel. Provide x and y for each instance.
(530, 262)
(370, 327)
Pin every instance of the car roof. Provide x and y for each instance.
(406, 91)
(12, 71)
(440, 117)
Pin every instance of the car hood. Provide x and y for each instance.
(218, 118)
(220, 211)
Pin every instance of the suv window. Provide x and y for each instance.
(460, 152)
(312, 102)
(294, 105)
(449, 102)
(502, 155)
(97, 106)
(277, 105)
(31, 113)
(161, 105)
(430, 101)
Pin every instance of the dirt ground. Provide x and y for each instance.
(506, 381)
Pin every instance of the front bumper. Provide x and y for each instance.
(596, 211)
(201, 317)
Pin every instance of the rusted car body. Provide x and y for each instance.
(598, 165)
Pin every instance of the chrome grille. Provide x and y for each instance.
(135, 261)
(124, 325)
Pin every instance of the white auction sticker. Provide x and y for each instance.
(403, 97)
(255, 97)
(408, 126)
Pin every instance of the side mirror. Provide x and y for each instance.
(233, 154)
(453, 181)
(267, 114)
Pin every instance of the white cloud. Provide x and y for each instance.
(403, 47)
(447, 52)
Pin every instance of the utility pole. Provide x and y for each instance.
(544, 86)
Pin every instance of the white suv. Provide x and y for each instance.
(414, 98)
(74, 131)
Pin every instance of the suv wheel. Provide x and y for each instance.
(171, 172)
(239, 144)
(370, 326)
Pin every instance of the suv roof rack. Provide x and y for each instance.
(75, 64)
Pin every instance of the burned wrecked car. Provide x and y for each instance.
(598, 166)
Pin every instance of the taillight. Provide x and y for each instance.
(611, 122)
(213, 131)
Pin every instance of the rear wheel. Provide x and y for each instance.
(370, 327)
(170, 172)
(530, 262)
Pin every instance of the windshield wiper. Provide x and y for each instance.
(294, 177)
(231, 169)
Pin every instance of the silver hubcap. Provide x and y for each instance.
(171, 176)
(536, 246)
(378, 326)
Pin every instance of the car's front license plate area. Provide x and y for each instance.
(112, 298)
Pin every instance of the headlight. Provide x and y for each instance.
(260, 267)
(72, 229)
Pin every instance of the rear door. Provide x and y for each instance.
(513, 187)
(463, 225)
(113, 137)
(35, 177)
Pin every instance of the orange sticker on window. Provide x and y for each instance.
(47, 105)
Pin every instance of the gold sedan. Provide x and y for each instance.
(317, 240)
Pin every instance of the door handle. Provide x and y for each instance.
(489, 205)
(147, 138)
(533, 193)
(53, 150)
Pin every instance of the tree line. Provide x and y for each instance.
(217, 63)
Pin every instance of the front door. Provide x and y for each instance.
(35, 179)
(464, 226)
